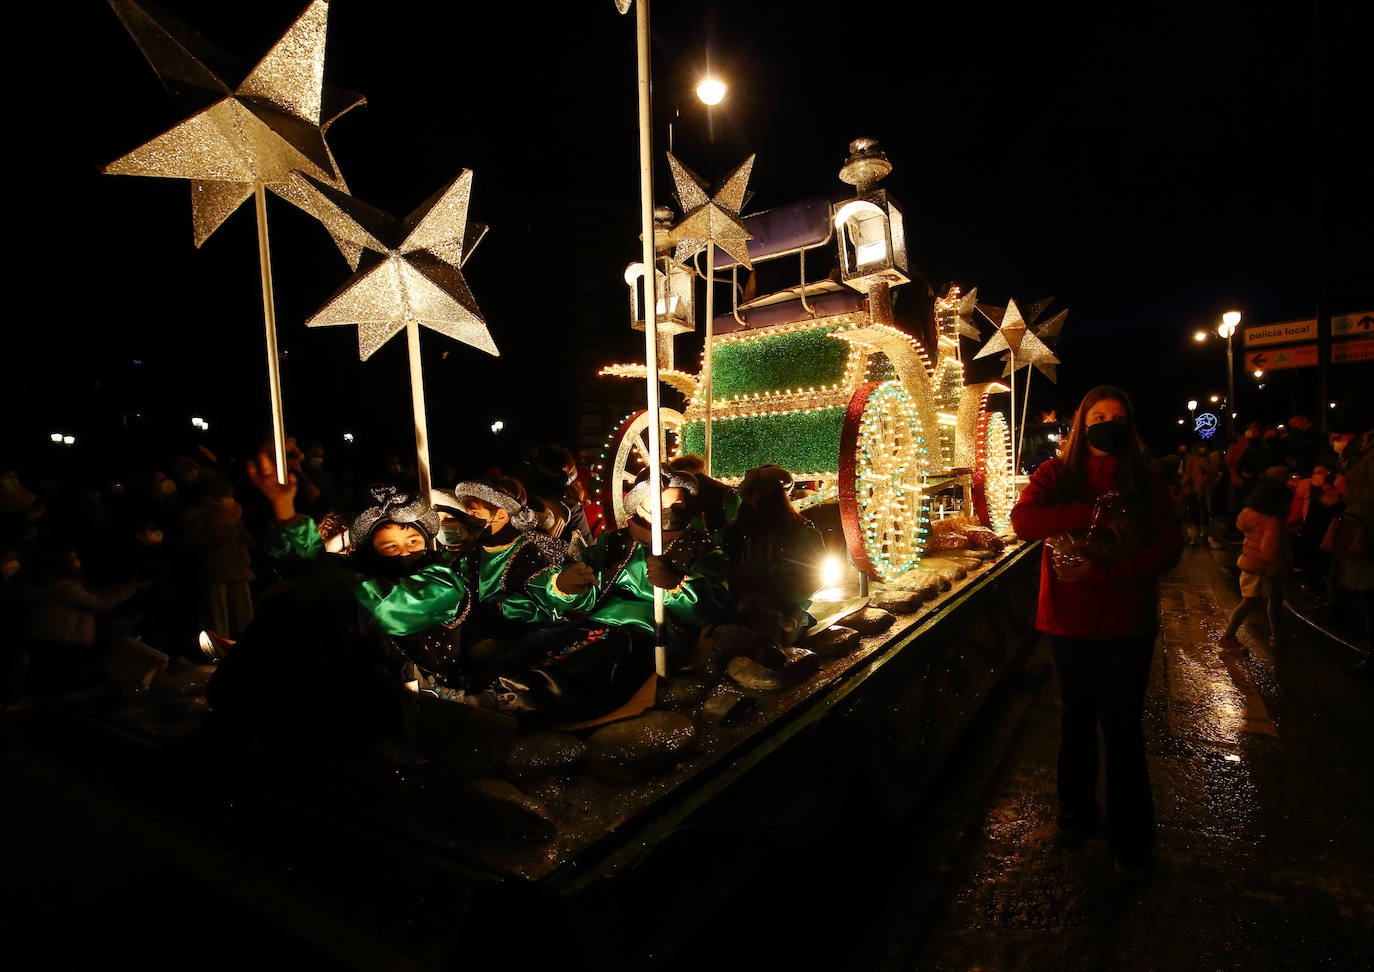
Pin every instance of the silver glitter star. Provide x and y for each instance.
(711, 219)
(272, 123)
(411, 269)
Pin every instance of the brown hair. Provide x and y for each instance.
(1132, 473)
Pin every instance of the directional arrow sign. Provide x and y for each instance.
(1275, 359)
(1352, 325)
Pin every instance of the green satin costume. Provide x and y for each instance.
(435, 595)
(629, 601)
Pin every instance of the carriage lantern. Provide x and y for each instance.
(674, 293)
(870, 227)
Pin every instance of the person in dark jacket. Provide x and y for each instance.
(1098, 604)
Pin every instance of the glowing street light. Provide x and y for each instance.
(69, 440)
(1214, 399)
(1259, 372)
(1192, 404)
(1229, 322)
(497, 426)
(56, 437)
(1199, 336)
(348, 437)
(711, 91)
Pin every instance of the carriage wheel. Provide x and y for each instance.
(884, 456)
(993, 487)
(627, 455)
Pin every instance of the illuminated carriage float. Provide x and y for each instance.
(817, 378)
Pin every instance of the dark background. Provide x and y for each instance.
(1149, 167)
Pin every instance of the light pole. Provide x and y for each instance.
(1229, 322)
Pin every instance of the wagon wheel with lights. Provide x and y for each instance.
(883, 464)
(627, 455)
(993, 486)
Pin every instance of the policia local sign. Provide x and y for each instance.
(1293, 344)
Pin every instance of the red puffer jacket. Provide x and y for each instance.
(1115, 600)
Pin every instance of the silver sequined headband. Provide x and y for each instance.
(393, 506)
(669, 479)
(522, 518)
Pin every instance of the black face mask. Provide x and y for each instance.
(1113, 438)
(393, 568)
(451, 537)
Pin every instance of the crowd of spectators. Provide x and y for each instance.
(1303, 502)
(161, 551)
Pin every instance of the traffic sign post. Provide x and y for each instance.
(1276, 359)
(1353, 325)
(1349, 351)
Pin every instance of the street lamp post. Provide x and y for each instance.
(1229, 322)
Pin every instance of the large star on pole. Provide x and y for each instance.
(1011, 335)
(271, 124)
(711, 219)
(1048, 333)
(411, 269)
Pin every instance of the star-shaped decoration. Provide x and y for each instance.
(1048, 334)
(711, 219)
(1045, 361)
(411, 269)
(955, 310)
(1012, 335)
(271, 124)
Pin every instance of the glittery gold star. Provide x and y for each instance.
(272, 123)
(1039, 355)
(410, 269)
(1012, 335)
(711, 219)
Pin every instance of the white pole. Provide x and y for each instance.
(706, 385)
(1025, 410)
(269, 320)
(646, 201)
(417, 406)
(1015, 469)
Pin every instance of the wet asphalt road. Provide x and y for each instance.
(1264, 793)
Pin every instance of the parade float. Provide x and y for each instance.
(594, 825)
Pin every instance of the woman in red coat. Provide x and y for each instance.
(1100, 611)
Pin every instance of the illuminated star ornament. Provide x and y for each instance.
(1024, 347)
(254, 134)
(955, 311)
(410, 269)
(711, 219)
(1048, 333)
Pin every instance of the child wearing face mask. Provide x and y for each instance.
(605, 651)
(1098, 604)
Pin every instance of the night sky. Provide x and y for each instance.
(1149, 169)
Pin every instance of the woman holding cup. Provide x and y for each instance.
(1112, 530)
